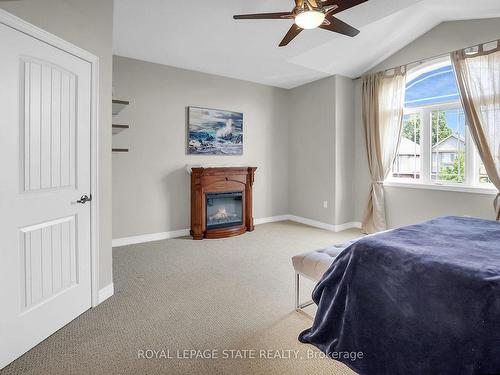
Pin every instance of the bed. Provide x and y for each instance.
(421, 299)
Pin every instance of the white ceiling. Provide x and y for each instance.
(201, 35)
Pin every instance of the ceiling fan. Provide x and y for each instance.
(310, 14)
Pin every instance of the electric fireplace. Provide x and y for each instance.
(221, 201)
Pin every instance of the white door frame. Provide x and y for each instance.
(20, 25)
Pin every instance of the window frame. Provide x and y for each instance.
(471, 183)
(410, 111)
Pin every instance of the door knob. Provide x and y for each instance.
(84, 199)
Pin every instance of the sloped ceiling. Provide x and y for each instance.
(201, 35)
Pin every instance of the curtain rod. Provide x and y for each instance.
(421, 61)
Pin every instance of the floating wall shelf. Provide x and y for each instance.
(119, 128)
(119, 105)
(121, 150)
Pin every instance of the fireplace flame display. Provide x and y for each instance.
(222, 214)
(224, 209)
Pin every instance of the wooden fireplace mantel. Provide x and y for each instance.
(218, 180)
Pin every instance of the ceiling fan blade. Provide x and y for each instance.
(342, 4)
(338, 26)
(290, 35)
(264, 16)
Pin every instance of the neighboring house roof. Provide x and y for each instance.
(450, 144)
(407, 147)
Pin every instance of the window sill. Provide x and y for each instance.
(455, 188)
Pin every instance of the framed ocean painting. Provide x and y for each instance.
(214, 132)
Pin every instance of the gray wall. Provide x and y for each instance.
(312, 151)
(344, 150)
(321, 152)
(89, 25)
(151, 188)
(405, 206)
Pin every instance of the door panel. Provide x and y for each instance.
(48, 127)
(45, 106)
(48, 260)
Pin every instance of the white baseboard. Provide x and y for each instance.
(320, 225)
(271, 219)
(185, 232)
(106, 292)
(312, 223)
(149, 237)
(117, 242)
(351, 225)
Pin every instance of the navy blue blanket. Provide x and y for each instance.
(422, 299)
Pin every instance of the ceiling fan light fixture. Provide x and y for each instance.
(310, 19)
(310, 14)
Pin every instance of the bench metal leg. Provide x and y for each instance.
(299, 306)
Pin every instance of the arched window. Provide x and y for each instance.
(435, 146)
(436, 85)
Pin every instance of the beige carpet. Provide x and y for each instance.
(180, 295)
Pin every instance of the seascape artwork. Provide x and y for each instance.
(215, 132)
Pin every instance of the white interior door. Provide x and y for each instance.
(45, 251)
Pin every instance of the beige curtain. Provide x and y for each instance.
(383, 105)
(478, 76)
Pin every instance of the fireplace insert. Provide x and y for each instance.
(224, 210)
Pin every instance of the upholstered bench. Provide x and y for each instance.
(313, 265)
